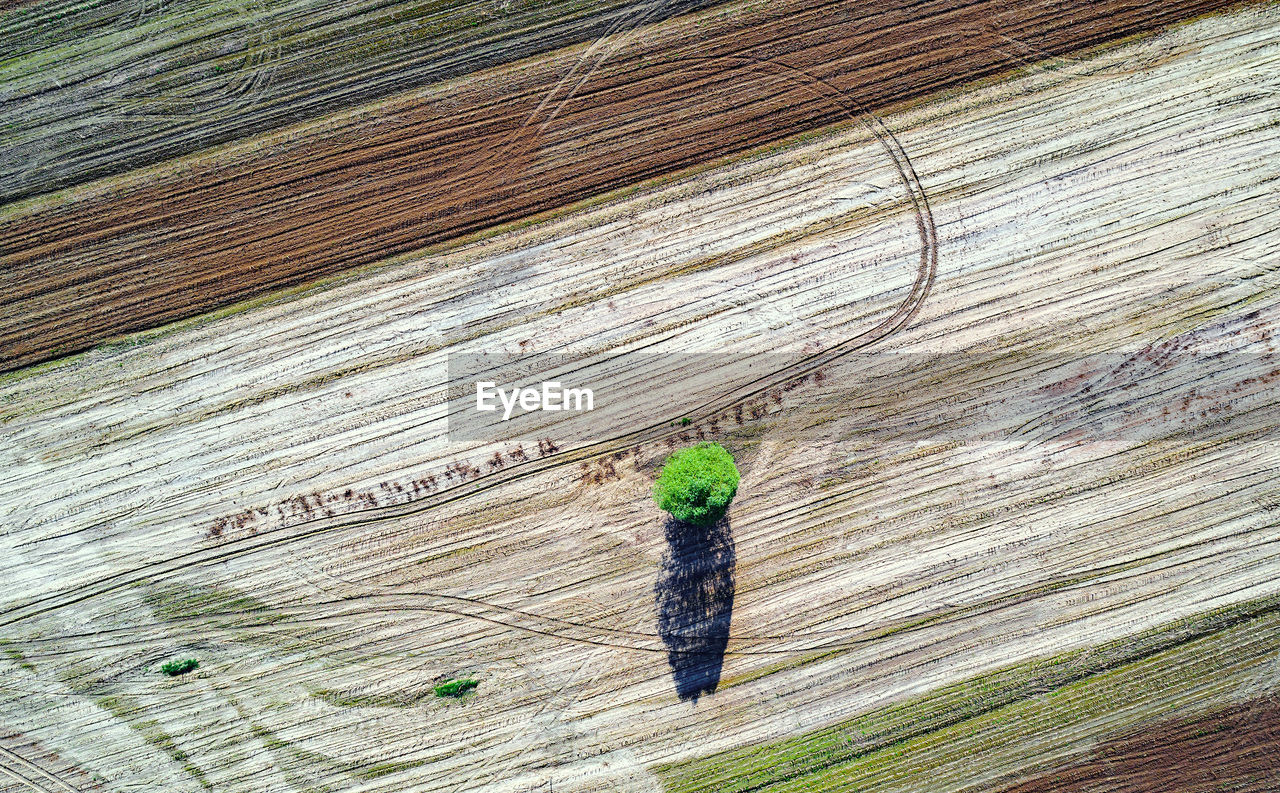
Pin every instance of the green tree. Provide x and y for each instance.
(175, 668)
(697, 484)
(456, 688)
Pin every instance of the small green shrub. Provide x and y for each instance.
(175, 668)
(456, 688)
(697, 484)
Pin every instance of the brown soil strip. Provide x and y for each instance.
(96, 89)
(1231, 750)
(116, 258)
(34, 767)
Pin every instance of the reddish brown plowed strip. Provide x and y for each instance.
(1234, 750)
(122, 259)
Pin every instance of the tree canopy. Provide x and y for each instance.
(697, 484)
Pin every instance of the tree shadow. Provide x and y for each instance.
(694, 598)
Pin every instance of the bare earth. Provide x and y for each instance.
(1010, 397)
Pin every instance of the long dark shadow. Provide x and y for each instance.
(694, 597)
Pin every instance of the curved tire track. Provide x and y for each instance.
(926, 273)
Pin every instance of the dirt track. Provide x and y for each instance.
(954, 551)
(117, 257)
(1234, 750)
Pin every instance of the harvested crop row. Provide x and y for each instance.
(1040, 514)
(121, 256)
(1231, 749)
(99, 88)
(252, 409)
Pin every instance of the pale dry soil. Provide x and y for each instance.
(1071, 443)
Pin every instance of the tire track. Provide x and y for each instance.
(33, 775)
(79, 270)
(408, 602)
(658, 431)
